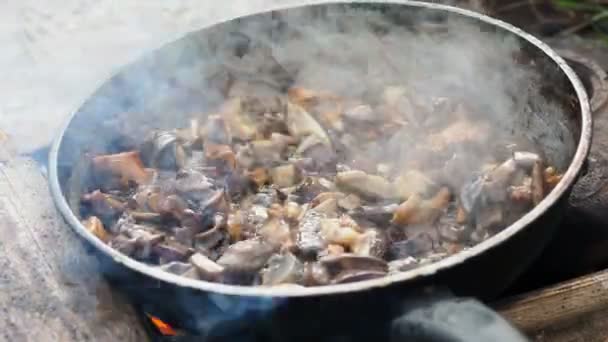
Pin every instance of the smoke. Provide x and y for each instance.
(353, 53)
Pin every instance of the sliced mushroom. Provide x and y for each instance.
(259, 176)
(308, 240)
(303, 97)
(285, 176)
(95, 226)
(170, 250)
(538, 191)
(452, 231)
(351, 276)
(193, 185)
(240, 125)
(292, 211)
(301, 124)
(350, 202)
(322, 157)
(551, 177)
(145, 240)
(522, 193)
(489, 219)
(416, 211)
(124, 244)
(413, 182)
(276, 231)
(104, 205)
(380, 215)
(209, 242)
(263, 152)
(309, 189)
(526, 159)
(366, 185)
(348, 268)
(138, 216)
(415, 246)
(334, 232)
(329, 207)
(246, 256)
(461, 131)
(207, 269)
(126, 165)
(315, 274)
(283, 269)
(361, 113)
(162, 150)
(373, 242)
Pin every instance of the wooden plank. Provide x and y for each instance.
(49, 287)
(576, 310)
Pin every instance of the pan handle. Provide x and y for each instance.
(445, 318)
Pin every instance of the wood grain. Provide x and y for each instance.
(576, 310)
(49, 287)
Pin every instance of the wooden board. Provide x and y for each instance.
(576, 310)
(49, 287)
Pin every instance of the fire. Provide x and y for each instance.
(163, 327)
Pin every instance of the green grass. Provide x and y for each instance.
(597, 13)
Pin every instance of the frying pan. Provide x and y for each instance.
(418, 304)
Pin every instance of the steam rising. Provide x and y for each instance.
(352, 53)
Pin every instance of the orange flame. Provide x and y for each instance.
(163, 327)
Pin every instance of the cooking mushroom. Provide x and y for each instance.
(161, 149)
(290, 186)
(366, 185)
(126, 165)
(308, 240)
(349, 268)
(207, 269)
(95, 226)
(246, 256)
(282, 269)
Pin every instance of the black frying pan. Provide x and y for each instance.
(418, 303)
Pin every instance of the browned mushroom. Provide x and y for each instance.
(301, 124)
(373, 242)
(240, 125)
(537, 185)
(104, 205)
(95, 226)
(285, 176)
(366, 185)
(246, 256)
(126, 165)
(416, 210)
(413, 182)
(551, 177)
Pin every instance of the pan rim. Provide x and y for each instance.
(556, 194)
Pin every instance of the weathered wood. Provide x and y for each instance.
(49, 287)
(576, 310)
